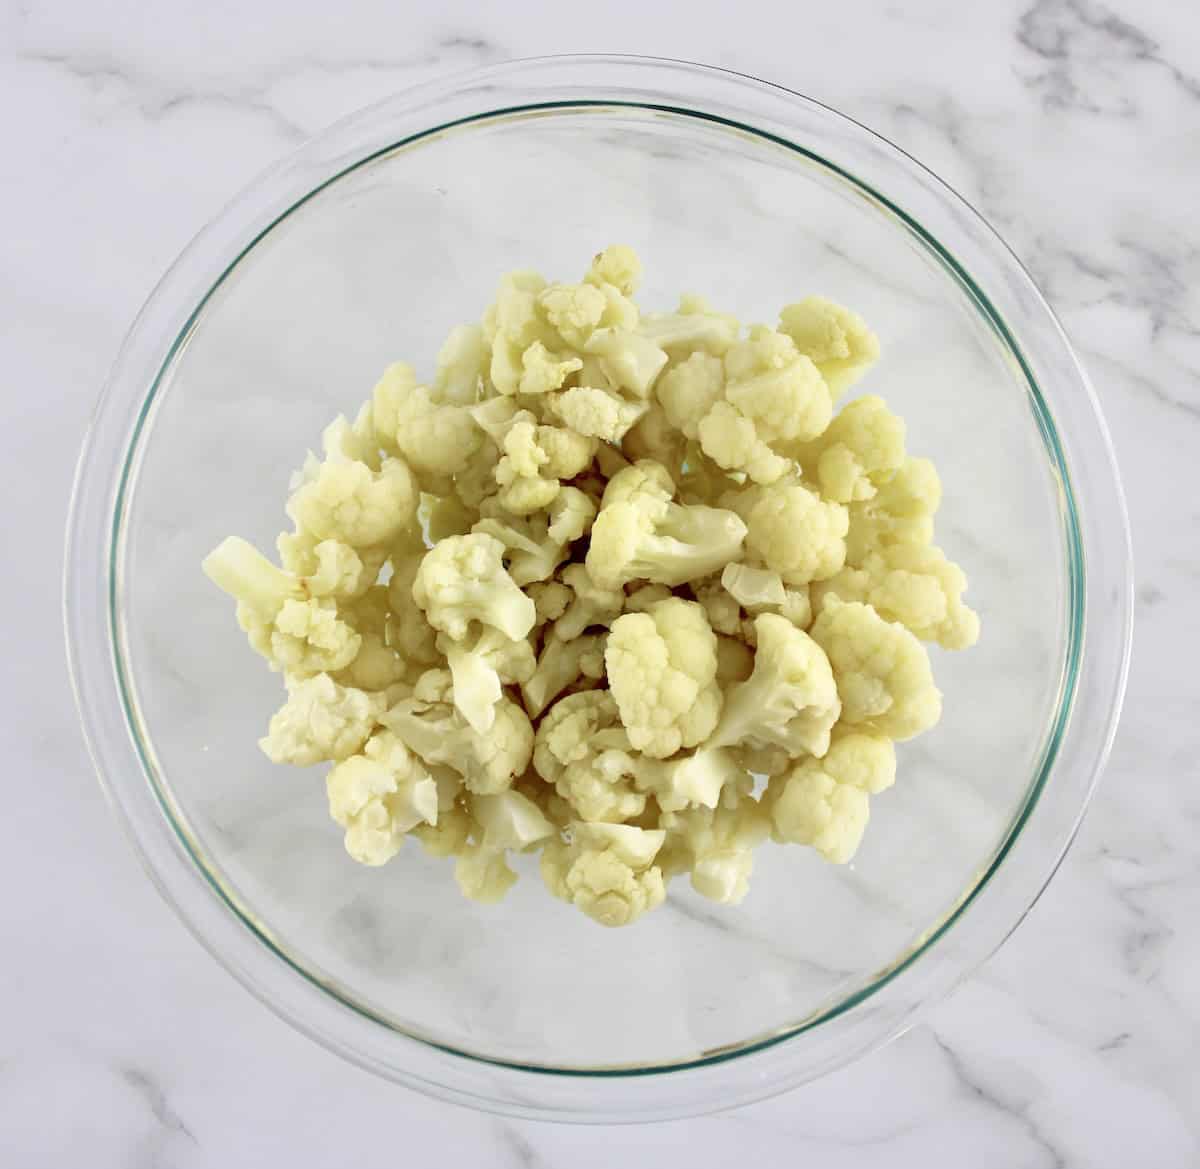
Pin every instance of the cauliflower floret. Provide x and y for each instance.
(662, 669)
(462, 365)
(901, 512)
(301, 636)
(445, 515)
(561, 663)
(507, 820)
(793, 531)
(550, 600)
(790, 699)
(463, 579)
(882, 670)
(378, 664)
(571, 516)
(329, 568)
(732, 442)
(320, 720)
(719, 846)
(814, 809)
(597, 413)
(480, 668)
(778, 388)
(618, 265)
(535, 459)
(640, 534)
(723, 612)
(342, 499)
(823, 802)
(915, 585)
(438, 733)
(863, 447)
(607, 871)
(592, 605)
(543, 372)
(380, 795)
(599, 788)
(689, 390)
(772, 394)
(575, 727)
(435, 438)
(836, 339)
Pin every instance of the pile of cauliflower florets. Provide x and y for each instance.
(618, 587)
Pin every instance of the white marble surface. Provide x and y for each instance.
(1073, 124)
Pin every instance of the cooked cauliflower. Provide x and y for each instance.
(379, 796)
(662, 668)
(320, 720)
(882, 670)
(792, 531)
(341, 499)
(480, 668)
(607, 870)
(863, 447)
(463, 579)
(641, 535)
(836, 339)
(297, 634)
(436, 731)
(790, 700)
(561, 598)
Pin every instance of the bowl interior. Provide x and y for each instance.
(377, 266)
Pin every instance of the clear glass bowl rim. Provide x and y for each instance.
(1094, 674)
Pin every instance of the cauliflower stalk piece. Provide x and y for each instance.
(503, 822)
(480, 668)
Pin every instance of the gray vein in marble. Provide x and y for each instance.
(156, 97)
(1078, 41)
(1017, 1112)
(521, 1153)
(1102, 362)
(170, 1123)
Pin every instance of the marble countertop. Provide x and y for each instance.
(1073, 124)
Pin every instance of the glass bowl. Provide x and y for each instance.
(366, 246)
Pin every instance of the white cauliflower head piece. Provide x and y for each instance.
(320, 720)
(607, 871)
(463, 579)
(662, 669)
(379, 796)
(882, 670)
(790, 700)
